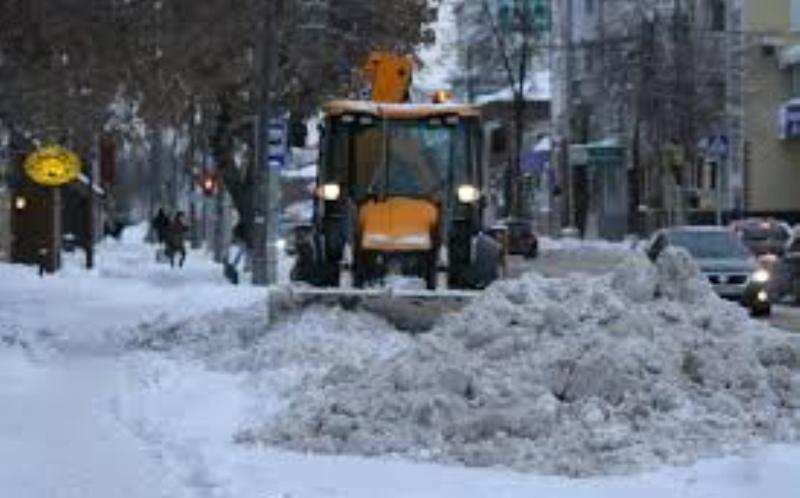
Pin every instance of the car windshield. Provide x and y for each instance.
(759, 233)
(710, 245)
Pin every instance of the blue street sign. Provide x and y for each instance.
(717, 145)
(277, 143)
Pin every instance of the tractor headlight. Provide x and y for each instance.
(468, 194)
(330, 191)
(761, 276)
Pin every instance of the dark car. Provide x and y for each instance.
(764, 237)
(520, 236)
(724, 260)
(789, 266)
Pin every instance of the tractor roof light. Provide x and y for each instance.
(441, 97)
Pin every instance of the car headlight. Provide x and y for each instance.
(468, 194)
(280, 244)
(330, 191)
(761, 276)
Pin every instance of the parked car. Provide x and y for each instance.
(790, 268)
(286, 236)
(725, 261)
(764, 237)
(520, 237)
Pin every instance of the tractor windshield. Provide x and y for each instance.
(399, 157)
(422, 158)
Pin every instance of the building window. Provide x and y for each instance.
(794, 14)
(795, 83)
(588, 6)
(717, 15)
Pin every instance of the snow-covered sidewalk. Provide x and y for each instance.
(127, 287)
(137, 380)
(58, 437)
(61, 367)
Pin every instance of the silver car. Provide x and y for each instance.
(728, 265)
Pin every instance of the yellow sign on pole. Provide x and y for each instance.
(52, 166)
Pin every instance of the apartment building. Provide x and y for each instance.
(772, 108)
(662, 80)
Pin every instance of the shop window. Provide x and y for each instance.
(717, 15)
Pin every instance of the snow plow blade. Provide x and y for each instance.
(408, 310)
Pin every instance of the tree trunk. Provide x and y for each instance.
(239, 187)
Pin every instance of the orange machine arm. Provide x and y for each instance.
(390, 77)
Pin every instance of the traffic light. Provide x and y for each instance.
(209, 184)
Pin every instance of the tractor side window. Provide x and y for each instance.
(367, 157)
(354, 155)
(336, 156)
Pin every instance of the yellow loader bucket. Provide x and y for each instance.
(413, 311)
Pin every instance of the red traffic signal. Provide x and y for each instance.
(209, 184)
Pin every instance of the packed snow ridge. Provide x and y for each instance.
(578, 376)
(581, 376)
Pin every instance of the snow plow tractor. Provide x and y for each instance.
(399, 210)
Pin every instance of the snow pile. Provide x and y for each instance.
(240, 339)
(581, 376)
(281, 359)
(572, 244)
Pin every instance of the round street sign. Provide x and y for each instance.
(52, 166)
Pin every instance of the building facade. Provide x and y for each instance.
(663, 81)
(503, 67)
(771, 107)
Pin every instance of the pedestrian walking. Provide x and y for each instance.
(175, 239)
(160, 224)
(41, 260)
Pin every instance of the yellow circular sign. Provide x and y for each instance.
(52, 166)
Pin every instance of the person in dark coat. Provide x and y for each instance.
(176, 239)
(160, 225)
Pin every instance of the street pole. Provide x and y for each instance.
(264, 253)
(718, 170)
(567, 190)
(90, 229)
(219, 226)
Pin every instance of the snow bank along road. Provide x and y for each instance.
(137, 381)
(560, 259)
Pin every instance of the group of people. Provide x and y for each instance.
(171, 232)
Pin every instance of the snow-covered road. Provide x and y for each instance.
(84, 414)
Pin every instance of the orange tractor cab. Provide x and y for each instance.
(400, 192)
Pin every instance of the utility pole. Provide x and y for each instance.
(564, 119)
(90, 229)
(734, 90)
(264, 253)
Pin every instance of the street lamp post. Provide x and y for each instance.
(264, 253)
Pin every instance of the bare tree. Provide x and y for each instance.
(502, 43)
(63, 65)
(654, 79)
